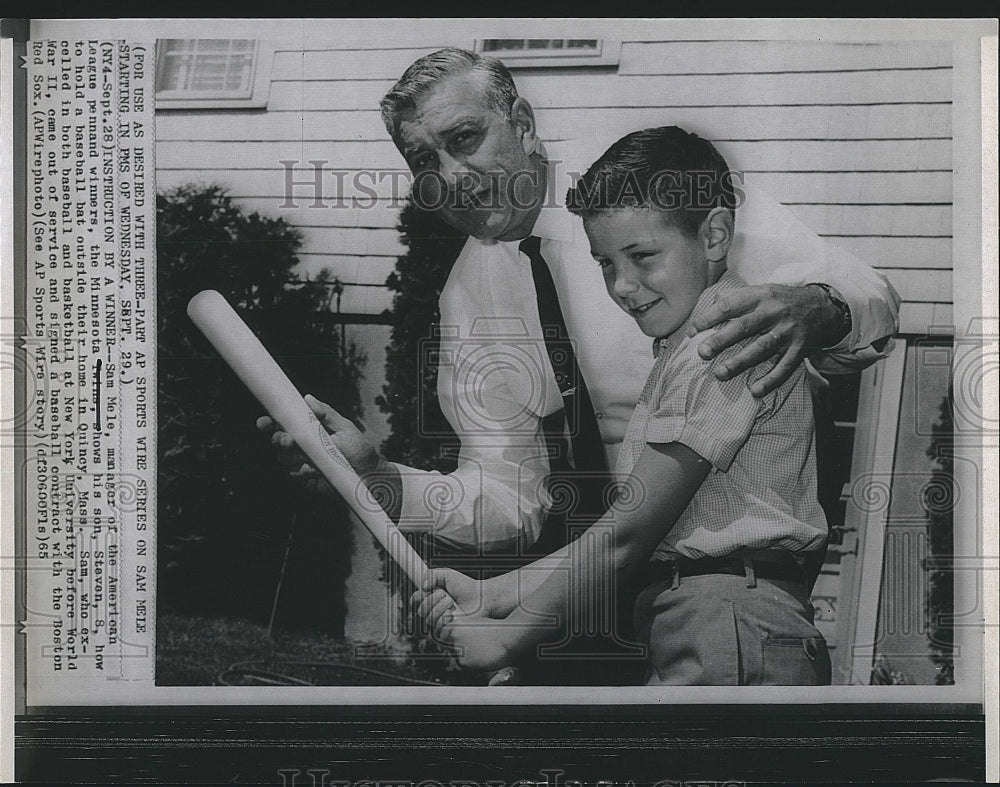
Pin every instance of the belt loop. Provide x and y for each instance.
(677, 574)
(750, 573)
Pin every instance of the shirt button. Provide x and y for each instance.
(598, 416)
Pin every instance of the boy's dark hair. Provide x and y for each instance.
(666, 168)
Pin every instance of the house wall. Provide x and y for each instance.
(854, 137)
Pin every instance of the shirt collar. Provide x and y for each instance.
(667, 345)
(555, 222)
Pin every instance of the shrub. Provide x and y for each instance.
(939, 503)
(226, 511)
(419, 431)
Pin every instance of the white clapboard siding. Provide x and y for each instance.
(741, 57)
(549, 91)
(812, 188)
(837, 156)
(315, 206)
(332, 64)
(854, 137)
(356, 189)
(923, 222)
(669, 58)
(914, 155)
(919, 268)
(881, 121)
(857, 188)
(334, 35)
(927, 287)
(914, 254)
(186, 154)
(909, 263)
(358, 186)
(877, 220)
(926, 318)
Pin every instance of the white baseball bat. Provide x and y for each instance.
(260, 373)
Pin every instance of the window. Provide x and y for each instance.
(211, 73)
(539, 52)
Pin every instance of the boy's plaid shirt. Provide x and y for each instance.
(761, 491)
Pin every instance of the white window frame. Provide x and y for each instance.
(608, 54)
(861, 568)
(263, 60)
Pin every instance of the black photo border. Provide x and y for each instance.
(620, 744)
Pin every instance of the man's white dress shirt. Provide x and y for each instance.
(495, 382)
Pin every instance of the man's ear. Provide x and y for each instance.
(523, 118)
(717, 234)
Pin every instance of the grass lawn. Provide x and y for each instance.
(193, 651)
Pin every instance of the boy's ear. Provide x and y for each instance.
(523, 118)
(717, 234)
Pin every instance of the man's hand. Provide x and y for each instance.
(446, 592)
(789, 322)
(463, 616)
(356, 448)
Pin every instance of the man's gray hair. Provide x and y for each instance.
(426, 72)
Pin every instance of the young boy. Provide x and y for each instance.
(718, 499)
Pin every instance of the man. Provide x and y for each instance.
(472, 143)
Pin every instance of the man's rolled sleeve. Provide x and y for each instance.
(491, 501)
(496, 498)
(873, 303)
(773, 246)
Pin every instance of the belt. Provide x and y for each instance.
(787, 570)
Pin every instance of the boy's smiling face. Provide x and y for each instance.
(652, 270)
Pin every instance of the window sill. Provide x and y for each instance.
(211, 103)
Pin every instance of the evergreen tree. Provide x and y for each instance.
(419, 431)
(939, 501)
(226, 511)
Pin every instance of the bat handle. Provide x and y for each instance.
(258, 370)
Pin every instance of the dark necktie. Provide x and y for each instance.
(585, 469)
(600, 650)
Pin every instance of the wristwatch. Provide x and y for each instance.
(838, 301)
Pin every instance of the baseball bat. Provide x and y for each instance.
(245, 354)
